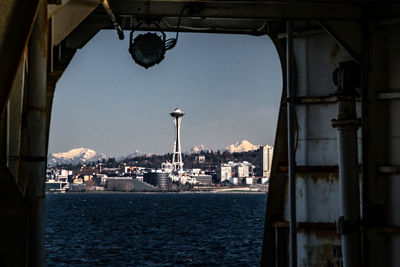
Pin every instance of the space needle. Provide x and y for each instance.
(177, 115)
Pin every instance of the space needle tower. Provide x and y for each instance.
(177, 115)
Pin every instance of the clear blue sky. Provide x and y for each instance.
(229, 86)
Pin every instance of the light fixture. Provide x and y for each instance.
(149, 49)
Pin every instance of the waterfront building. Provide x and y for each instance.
(248, 181)
(266, 153)
(234, 180)
(119, 184)
(157, 179)
(203, 179)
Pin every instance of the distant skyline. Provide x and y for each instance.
(229, 87)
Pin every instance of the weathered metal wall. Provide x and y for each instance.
(317, 55)
(382, 185)
(317, 183)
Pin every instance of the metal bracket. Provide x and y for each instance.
(347, 78)
(344, 227)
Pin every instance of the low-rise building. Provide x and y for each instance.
(203, 179)
(119, 184)
(248, 181)
(234, 180)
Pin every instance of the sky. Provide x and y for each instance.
(229, 87)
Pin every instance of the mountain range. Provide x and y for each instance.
(131, 155)
(75, 156)
(243, 146)
(85, 155)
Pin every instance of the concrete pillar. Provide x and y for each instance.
(36, 138)
(14, 121)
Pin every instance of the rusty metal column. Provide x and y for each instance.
(347, 78)
(291, 151)
(36, 138)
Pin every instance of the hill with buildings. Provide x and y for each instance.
(203, 159)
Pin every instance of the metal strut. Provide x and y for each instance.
(291, 143)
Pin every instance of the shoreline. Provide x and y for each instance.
(162, 192)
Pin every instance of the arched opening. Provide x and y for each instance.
(230, 89)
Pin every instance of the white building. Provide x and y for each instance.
(224, 172)
(234, 180)
(248, 180)
(266, 153)
(234, 169)
(242, 170)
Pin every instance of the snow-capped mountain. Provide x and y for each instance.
(75, 156)
(196, 149)
(137, 153)
(243, 146)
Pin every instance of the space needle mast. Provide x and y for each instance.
(177, 115)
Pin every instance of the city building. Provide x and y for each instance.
(157, 178)
(242, 170)
(203, 179)
(247, 181)
(234, 180)
(224, 172)
(266, 153)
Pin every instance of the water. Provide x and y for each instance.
(154, 229)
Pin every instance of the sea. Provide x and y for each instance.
(150, 229)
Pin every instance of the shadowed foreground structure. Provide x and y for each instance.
(340, 102)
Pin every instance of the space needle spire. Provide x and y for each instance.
(177, 115)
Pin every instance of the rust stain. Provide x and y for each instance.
(326, 253)
(334, 51)
(327, 177)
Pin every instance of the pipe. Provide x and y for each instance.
(291, 145)
(36, 138)
(114, 21)
(347, 79)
